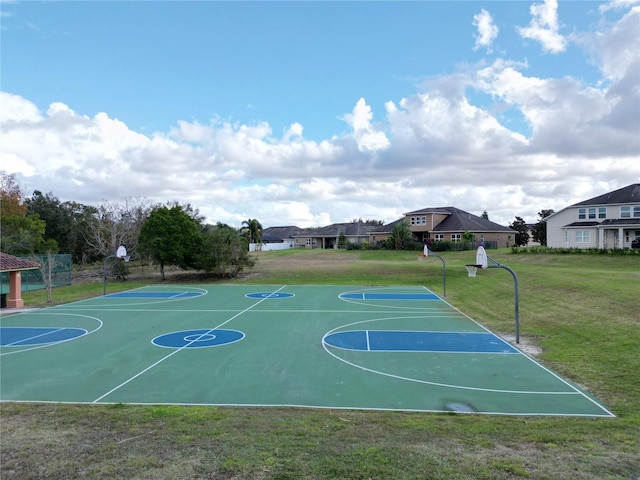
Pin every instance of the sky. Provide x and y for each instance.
(309, 113)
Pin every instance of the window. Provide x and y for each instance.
(582, 213)
(418, 220)
(602, 212)
(636, 211)
(438, 237)
(456, 237)
(625, 212)
(592, 212)
(583, 236)
(309, 242)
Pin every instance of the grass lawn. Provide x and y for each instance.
(579, 315)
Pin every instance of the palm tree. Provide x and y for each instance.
(253, 230)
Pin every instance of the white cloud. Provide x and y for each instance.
(366, 136)
(487, 30)
(544, 27)
(617, 4)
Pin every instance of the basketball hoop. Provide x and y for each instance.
(472, 269)
(424, 254)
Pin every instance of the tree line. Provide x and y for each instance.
(167, 234)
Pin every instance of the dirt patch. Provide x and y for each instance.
(525, 345)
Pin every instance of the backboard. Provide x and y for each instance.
(481, 257)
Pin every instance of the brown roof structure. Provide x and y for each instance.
(9, 263)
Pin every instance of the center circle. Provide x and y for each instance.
(269, 295)
(198, 338)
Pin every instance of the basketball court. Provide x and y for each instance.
(383, 348)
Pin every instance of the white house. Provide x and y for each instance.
(611, 220)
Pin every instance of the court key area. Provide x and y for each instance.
(382, 348)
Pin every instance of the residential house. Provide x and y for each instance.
(276, 238)
(329, 236)
(449, 224)
(611, 220)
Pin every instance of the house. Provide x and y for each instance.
(329, 236)
(449, 224)
(611, 220)
(13, 266)
(276, 238)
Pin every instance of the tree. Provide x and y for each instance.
(11, 198)
(171, 236)
(522, 232)
(368, 221)
(342, 240)
(539, 230)
(119, 223)
(58, 219)
(400, 235)
(82, 217)
(469, 237)
(253, 230)
(47, 265)
(21, 233)
(224, 253)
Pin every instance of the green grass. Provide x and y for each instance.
(581, 311)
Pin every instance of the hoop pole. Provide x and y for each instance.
(444, 271)
(516, 298)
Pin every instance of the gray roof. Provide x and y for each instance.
(582, 224)
(628, 194)
(282, 233)
(620, 222)
(386, 228)
(350, 229)
(460, 221)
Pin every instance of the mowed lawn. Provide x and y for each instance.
(579, 315)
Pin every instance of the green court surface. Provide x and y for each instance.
(389, 348)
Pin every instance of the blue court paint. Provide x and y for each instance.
(198, 338)
(389, 296)
(154, 295)
(269, 295)
(408, 341)
(21, 336)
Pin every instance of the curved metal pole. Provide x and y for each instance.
(517, 309)
(444, 272)
(444, 275)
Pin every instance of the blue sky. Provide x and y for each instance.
(308, 113)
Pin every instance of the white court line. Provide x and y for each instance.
(183, 347)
